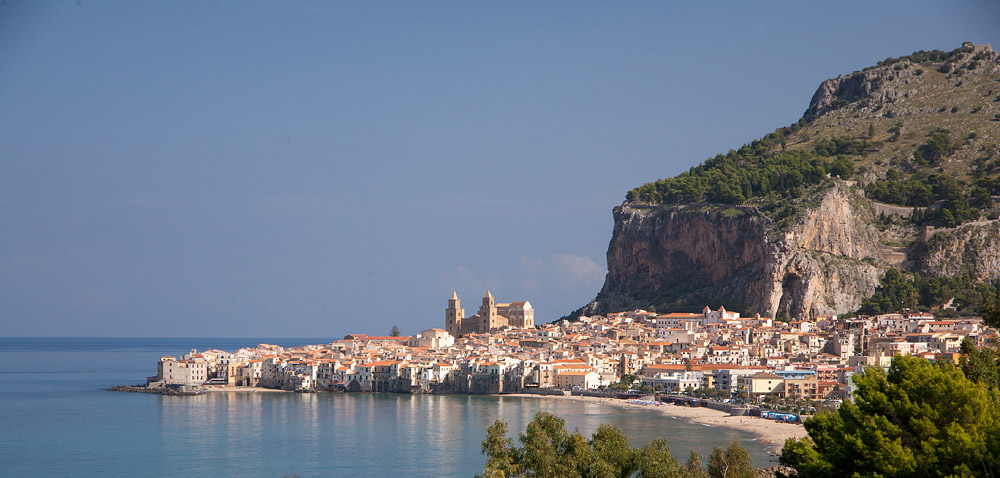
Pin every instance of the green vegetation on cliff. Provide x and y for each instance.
(901, 290)
(755, 170)
(910, 130)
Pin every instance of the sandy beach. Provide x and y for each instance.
(233, 389)
(771, 433)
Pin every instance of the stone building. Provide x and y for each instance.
(518, 314)
(491, 317)
(187, 371)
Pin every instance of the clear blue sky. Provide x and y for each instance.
(312, 169)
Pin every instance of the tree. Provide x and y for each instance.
(501, 455)
(545, 447)
(917, 419)
(654, 460)
(980, 366)
(842, 167)
(692, 468)
(991, 314)
(938, 147)
(871, 131)
(394, 332)
(732, 462)
(947, 218)
(624, 383)
(613, 455)
(548, 450)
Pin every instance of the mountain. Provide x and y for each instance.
(885, 195)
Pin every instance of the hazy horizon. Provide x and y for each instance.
(296, 169)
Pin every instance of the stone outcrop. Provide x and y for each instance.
(884, 85)
(825, 263)
(972, 248)
(875, 85)
(827, 255)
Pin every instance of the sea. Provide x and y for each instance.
(58, 419)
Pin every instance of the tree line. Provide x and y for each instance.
(917, 418)
(925, 186)
(756, 170)
(548, 450)
(898, 291)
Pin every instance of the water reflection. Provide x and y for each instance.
(277, 434)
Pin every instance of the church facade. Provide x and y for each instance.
(491, 316)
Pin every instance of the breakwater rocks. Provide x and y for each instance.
(158, 390)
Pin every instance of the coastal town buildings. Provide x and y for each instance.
(500, 350)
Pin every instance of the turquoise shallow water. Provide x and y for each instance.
(57, 419)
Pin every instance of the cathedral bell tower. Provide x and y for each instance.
(453, 315)
(488, 313)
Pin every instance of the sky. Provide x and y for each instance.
(314, 169)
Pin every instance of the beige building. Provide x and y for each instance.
(518, 314)
(432, 339)
(490, 318)
(761, 383)
(171, 371)
(802, 387)
(569, 379)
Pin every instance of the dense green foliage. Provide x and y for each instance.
(548, 450)
(924, 189)
(917, 419)
(980, 365)
(938, 147)
(755, 170)
(624, 383)
(923, 56)
(732, 462)
(898, 291)
(991, 313)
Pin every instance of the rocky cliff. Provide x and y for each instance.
(972, 248)
(820, 249)
(823, 264)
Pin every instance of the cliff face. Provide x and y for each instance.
(821, 249)
(972, 248)
(825, 263)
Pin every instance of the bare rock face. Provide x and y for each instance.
(875, 85)
(972, 248)
(824, 253)
(825, 263)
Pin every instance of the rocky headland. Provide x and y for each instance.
(739, 231)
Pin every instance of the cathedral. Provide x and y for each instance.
(491, 316)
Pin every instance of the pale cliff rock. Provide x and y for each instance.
(972, 248)
(828, 256)
(825, 263)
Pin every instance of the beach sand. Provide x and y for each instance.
(231, 389)
(772, 433)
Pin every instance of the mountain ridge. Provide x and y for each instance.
(890, 167)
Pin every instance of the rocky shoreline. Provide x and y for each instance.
(176, 391)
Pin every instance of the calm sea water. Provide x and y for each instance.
(57, 419)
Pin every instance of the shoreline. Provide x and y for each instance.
(772, 434)
(236, 389)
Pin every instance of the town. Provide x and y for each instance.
(500, 350)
